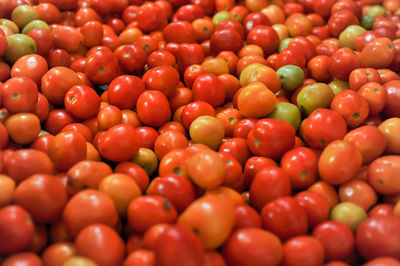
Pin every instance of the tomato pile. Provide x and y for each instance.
(199, 132)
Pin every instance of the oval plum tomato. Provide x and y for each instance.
(256, 100)
(317, 207)
(89, 207)
(301, 164)
(265, 37)
(353, 107)
(101, 243)
(32, 66)
(342, 63)
(119, 143)
(82, 102)
(177, 244)
(339, 162)
(305, 250)
(161, 57)
(162, 78)
(369, 140)
(66, 149)
(23, 128)
(56, 82)
(382, 175)
(208, 88)
(270, 183)
(361, 76)
(58, 253)
(284, 217)
(92, 32)
(124, 91)
(153, 108)
(43, 196)
(19, 94)
(199, 214)
(337, 239)
(67, 38)
(379, 237)
(17, 229)
(263, 248)
(378, 53)
(358, 192)
(101, 65)
(322, 127)
(271, 138)
(145, 211)
(376, 96)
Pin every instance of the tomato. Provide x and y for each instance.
(322, 127)
(316, 206)
(361, 76)
(101, 244)
(304, 250)
(24, 163)
(227, 39)
(150, 17)
(378, 53)
(138, 257)
(169, 140)
(207, 130)
(131, 57)
(17, 229)
(176, 245)
(82, 102)
(353, 107)
(23, 128)
(376, 96)
(237, 147)
(161, 57)
(259, 34)
(358, 192)
(210, 207)
(145, 211)
(56, 82)
(270, 183)
(27, 258)
(7, 188)
(89, 207)
(340, 20)
(19, 94)
(381, 174)
(208, 88)
(43, 196)
(392, 107)
(58, 253)
(189, 54)
(256, 100)
(342, 63)
(264, 248)
(137, 173)
(101, 65)
(318, 68)
(337, 239)
(378, 237)
(153, 108)
(119, 143)
(271, 138)
(162, 78)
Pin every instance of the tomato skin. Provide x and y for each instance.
(269, 184)
(43, 196)
(271, 138)
(88, 207)
(153, 108)
(284, 217)
(101, 244)
(264, 248)
(379, 237)
(82, 102)
(337, 239)
(178, 245)
(119, 143)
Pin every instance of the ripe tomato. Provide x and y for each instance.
(101, 65)
(256, 100)
(382, 174)
(82, 102)
(342, 63)
(43, 196)
(263, 248)
(28, 258)
(208, 88)
(58, 253)
(265, 37)
(271, 138)
(162, 78)
(23, 128)
(378, 53)
(305, 250)
(17, 229)
(19, 94)
(376, 96)
(358, 192)
(153, 108)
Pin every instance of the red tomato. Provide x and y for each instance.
(23, 258)
(162, 78)
(131, 58)
(153, 108)
(265, 37)
(16, 230)
(271, 138)
(101, 65)
(246, 216)
(382, 174)
(361, 76)
(208, 88)
(227, 39)
(342, 63)
(253, 245)
(82, 102)
(254, 165)
(340, 20)
(19, 94)
(316, 206)
(150, 17)
(305, 250)
(337, 239)
(392, 107)
(379, 237)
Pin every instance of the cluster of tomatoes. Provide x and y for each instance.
(199, 132)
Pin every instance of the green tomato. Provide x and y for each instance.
(377, 11)
(284, 44)
(367, 22)
(221, 16)
(146, 159)
(24, 14)
(349, 213)
(348, 37)
(43, 132)
(338, 85)
(314, 96)
(9, 24)
(35, 24)
(291, 77)
(18, 46)
(287, 112)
